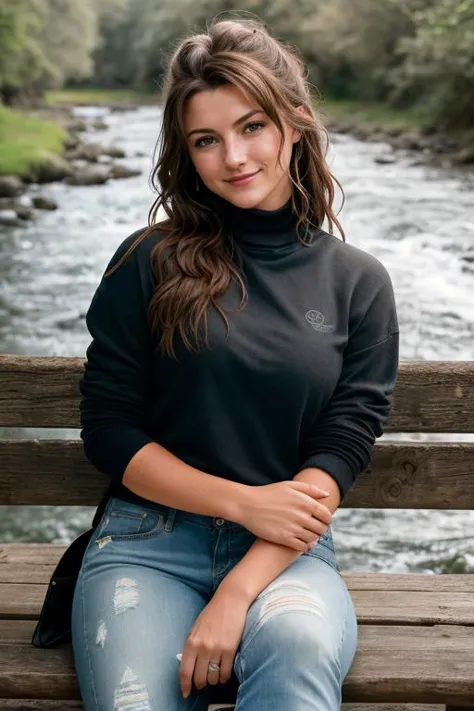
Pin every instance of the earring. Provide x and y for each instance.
(197, 181)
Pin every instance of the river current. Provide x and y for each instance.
(418, 220)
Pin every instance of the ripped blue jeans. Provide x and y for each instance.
(147, 574)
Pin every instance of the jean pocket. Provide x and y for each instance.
(126, 521)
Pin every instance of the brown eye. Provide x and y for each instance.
(201, 142)
(255, 126)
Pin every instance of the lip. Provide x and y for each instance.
(243, 179)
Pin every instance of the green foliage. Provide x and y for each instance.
(25, 142)
(403, 53)
(21, 57)
(438, 63)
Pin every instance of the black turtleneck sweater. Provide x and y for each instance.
(303, 379)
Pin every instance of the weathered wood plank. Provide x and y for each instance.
(24, 573)
(36, 553)
(410, 582)
(16, 631)
(401, 475)
(431, 396)
(38, 705)
(391, 665)
(22, 601)
(20, 564)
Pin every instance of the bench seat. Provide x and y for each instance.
(416, 638)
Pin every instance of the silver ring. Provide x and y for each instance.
(214, 666)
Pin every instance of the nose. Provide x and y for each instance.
(234, 153)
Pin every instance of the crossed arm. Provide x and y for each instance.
(265, 560)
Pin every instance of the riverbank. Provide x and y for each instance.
(403, 129)
(43, 144)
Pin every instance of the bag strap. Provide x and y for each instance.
(102, 504)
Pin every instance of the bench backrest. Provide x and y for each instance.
(405, 472)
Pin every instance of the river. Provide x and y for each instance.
(418, 220)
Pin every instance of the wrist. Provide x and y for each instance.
(235, 589)
(236, 501)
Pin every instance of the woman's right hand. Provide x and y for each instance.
(288, 512)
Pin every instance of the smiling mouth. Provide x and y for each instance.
(242, 179)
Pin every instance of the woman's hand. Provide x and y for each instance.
(215, 636)
(289, 513)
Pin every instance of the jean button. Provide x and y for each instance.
(219, 521)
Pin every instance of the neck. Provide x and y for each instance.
(258, 229)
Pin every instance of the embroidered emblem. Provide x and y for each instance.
(316, 319)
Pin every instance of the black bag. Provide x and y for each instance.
(54, 624)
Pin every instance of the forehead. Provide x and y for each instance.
(217, 108)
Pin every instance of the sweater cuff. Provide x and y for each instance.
(335, 467)
(111, 451)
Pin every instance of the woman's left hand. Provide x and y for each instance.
(215, 636)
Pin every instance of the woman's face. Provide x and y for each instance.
(228, 138)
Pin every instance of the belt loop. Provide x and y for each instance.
(170, 519)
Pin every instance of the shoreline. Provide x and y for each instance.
(80, 163)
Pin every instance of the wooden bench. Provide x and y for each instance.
(416, 642)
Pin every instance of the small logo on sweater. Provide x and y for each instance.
(316, 319)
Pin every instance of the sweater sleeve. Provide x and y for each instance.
(115, 384)
(344, 433)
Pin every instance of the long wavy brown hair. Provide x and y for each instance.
(195, 261)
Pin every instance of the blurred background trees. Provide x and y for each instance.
(399, 52)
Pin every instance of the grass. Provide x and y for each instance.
(336, 109)
(26, 141)
(96, 96)
(372, 113)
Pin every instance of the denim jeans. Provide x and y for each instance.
(147, 574)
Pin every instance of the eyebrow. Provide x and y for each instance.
(236, 123)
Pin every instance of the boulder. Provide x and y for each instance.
(76, 126)
(118, 172)
(465, 156)
(88, 176)
(71, 142)
(51, 168)
(9, 218)
(89, 152)
(24, 213)
(43, 203)
(385, 160)
(114, 152)
(10, 186)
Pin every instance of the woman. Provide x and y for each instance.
(240, 370)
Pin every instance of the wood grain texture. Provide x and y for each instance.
(39, 705)
(430, 396)
(34, 563)
(391, 665)
(401, 475)
(23, 601)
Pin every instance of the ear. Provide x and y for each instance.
(297, 134)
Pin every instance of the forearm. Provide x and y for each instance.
(264, 561)
(158, 475)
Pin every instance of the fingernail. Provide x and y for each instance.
(179, 656)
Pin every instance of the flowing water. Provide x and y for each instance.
(418, 220)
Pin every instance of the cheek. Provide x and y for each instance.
(268, 151)
(207, 164)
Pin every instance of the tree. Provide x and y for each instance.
(21, 57)
(438, 63)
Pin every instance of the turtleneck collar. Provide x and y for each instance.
(256, 229)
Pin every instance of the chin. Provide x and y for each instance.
(248, 201)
